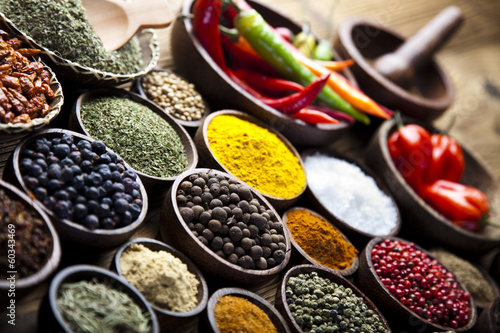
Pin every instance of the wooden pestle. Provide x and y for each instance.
(401, 65)
(117, 21)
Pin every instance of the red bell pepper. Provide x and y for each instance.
(465, 206)
(411, 149)
(314, 117)
(447, 160)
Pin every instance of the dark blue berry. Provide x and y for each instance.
(91, 192)
(93, 207)
(53, 185)
(120, 206)
(130, 174)
(50, 202)
(126, 218)
(84, 144)
(116, 177)
(53, 160)
(105, 174)
(102, 191)
(94, 179)
(72, 192)
(67, 139)
(25, 165)
(108, 223)
(117, 187)
(87, 154)
(80, 211)
(113, 156)
(108, 186)
(61, 195)
(78, 182)
(104, 210)
(91, 222)
(36, 170)
(76, 157)
(40, 193)
(42, 163)
(120, 167)
(43, 179)
(86, 166)
(118, 195)
(39, 155)
(54, 171)
(62, 209)
(138, 202)
(135, 194)
(104, 159)
(135, 210)
(41, 147)
(73, 147)
(76, 170)
(67, 162)
(128, 197)
(67, 174)
(29, 153)
(55, 141)
(112, 167)
(128, 185)
(98, 147)
(61, 150)
(81, 199)
(32, 183)
(107, 201)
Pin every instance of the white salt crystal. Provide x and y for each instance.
(349, 194)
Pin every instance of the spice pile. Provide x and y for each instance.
(421, 284)
(226, 217)
(178, 97)
(237, 314)
(141, 137)
(162, 278)
(81, 181)
(25, 90)
(256, 156)
(63, 27)
(320, 240)
(349, 194)
(92, 306)
(320, 305)
(32, 243)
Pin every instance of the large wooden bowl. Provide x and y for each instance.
(50, 319)
(71, 232)
(208, 159)
(305, 258)
(25, 284)
(358, 237)
(281, 298)
(423, 220)
(156, 186)
(275, 317)
(193, 62)
(370, 283)
(175, 231)
(169, 320)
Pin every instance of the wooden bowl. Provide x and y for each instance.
(193, 62)
(175, 231)
(84, 75)
(370, 283)
(168, 320)
(305, 258)
(188, 125)
(364, 41)
(487, 322)
(359, 237)
(25, 284)
(281, 298)
(156, 186)
(208, 159)
(51, 319)
(422, 219)
(275, 317)
(71, 232)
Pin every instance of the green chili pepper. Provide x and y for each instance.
(271, 48)
(323, 51)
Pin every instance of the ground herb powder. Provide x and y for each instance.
(235, 314)
(256, 156)
(320, 240)
(162, 278)
(141, 137)
(62, 27)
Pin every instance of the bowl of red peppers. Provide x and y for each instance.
(446, 193)
(240, 56)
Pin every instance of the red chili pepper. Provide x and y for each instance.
(332, 113)
(245, 56)
(284, 32)
(447, 160)
(263, 82)
(411, 149)
(464, 205)
(314, 116)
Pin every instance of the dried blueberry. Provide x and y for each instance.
(40, 193)
(94, 179)
(61, 150)
(135, 210)
(78, 182)
(67, 139)
(121, 206)
(104, 159)
(84, 144)
(130, 174)
(87, 155)
(98, 147)
(67, 162)
(116, 177)
(86, 166)
(75, 156)
(53, 185)
(91, 222)
(126, 218)
(67, 174)
(117, 187)
(61, 195)
(93, 207)
(25, 165)
(72, 192)
(62, 209)
(50, 202)
(42, 163)
(54, 171)
(91, 192)
(31, 183)
(104, 210)
(108, 223)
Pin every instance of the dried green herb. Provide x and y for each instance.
(62, 27)
(24, 234)
(141, 137)
(91, 306)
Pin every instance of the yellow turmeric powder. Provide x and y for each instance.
(256, 156)
(320, 240)
(235, 314)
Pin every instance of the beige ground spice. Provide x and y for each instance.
(162, 278)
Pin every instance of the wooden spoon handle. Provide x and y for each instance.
(147, 13)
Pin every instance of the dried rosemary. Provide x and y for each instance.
(62, 27)
(91, 306)
(141, 137)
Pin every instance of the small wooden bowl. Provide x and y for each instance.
(208, 159)
(51, 319)
(71, 232)
(487, 322)
(305, 258)
(84, 75)
(156, 186)
(169, 320)
(25, 284)
(189, 125)
(275, 317)
(425, 221)
(174, 231)
(370, 283)
(364, 41)
(193, 62)
(359, 237)
(281, 299)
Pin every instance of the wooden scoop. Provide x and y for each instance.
(401, 65)
(117, 21)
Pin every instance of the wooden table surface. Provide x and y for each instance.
(471, 58)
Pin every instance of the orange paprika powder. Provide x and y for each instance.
(320, 240)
